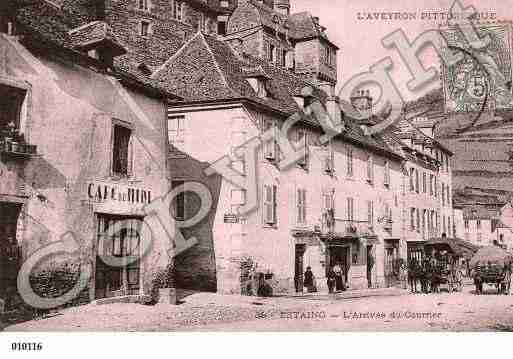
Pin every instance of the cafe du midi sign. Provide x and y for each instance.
(103, 192)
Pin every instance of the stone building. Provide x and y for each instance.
(82, 149)
(486, 216)
(267, 30)
(428, 210)
(338, 205)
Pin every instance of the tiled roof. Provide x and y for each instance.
(298, 26)
(207, 69)
(303, 26)
(479, 212)
(48, 26)
(95, 33)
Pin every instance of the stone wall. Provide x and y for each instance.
(196, 268)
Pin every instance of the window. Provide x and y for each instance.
(203, 23)
(418, 220)
(221, 28)
(424, 215)
(329, 55)
(412, 179)
(478, 224)
(444, 228)
(6, 25)
(144, 28)
(370, 213)
(283, 61)
(180, 201)
(430, 184)
(271, 53)
(449, 228)
(121, 151)
(349, 162)
(11, 103)
(271, 146)
(443, 194)
(370, 170)
(238, 200)
(412, 219)
(270, 192)
(424, 183)
(350, 209)
(417, 186)
(144, 5)
(387, 174)
(465, 223)
(178, 10)
(436, 187)
(329, 159)
(176, 131)
(302, 142)
(301, 206)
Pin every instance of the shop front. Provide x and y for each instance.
(356, 257)
(120, 239)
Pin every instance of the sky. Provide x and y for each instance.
(360, 39)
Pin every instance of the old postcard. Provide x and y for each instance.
(255, 165)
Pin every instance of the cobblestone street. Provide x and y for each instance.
(405, 312)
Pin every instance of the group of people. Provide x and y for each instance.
(335, 279)
(429, 273)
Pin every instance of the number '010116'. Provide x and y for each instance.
(26, 346)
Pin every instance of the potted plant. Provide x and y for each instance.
(164, 283)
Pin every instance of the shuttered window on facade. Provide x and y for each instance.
(269, 205)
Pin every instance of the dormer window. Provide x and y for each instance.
(98, 40)
(144, 5)
(144, 28)
(259, 85)
(145, 70)
(6, 25)
(178, 10)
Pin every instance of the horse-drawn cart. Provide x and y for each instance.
(492, 265)
(444, 266)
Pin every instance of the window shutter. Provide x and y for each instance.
(349, 161)
(101, 236)
(130, 163)
(350, 209)
(274, 204)
(304, 206)
(298, 206)
(289, 59)
(267, 204)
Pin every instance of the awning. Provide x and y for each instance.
(456, 246)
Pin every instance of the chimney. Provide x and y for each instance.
(332, 102)
(282, 7)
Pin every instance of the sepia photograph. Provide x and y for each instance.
(255, 166)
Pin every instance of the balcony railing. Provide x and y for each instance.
(347, 228)
(17, 148)
(388, 224)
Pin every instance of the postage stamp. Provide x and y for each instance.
(483, 79)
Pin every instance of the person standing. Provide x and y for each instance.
(331, 280)
(309, 280)
(339, 278)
